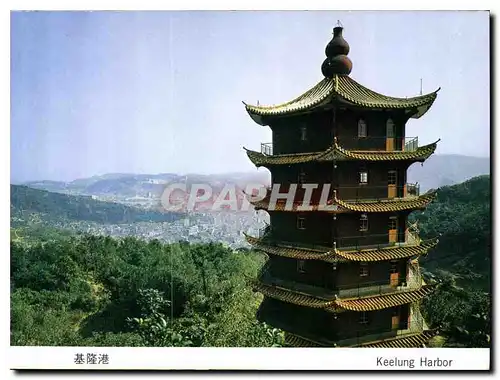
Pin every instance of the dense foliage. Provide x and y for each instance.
(101, 291)
(461, 218)
(461, 262)
(92, 290)
(26, 201)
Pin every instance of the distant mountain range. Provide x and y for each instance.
(437, 171)
(444, 170)
(51, 206)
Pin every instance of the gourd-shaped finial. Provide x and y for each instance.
(336, 51)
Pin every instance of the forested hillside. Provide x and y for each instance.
(461, 262)
(101, 291)
(461, 217)
(25, 201)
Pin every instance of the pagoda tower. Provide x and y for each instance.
(342, 266)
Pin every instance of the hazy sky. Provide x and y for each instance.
(150, 92)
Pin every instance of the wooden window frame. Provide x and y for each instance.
(362, 129)
(363, 318)
(392, 177)
(301, 178)
(393, 126)
(301, 264)
(393, 219)
(364, 270)
(394, 267)
(301, 222)
(303, 133)
(363, 223)
(363, 173)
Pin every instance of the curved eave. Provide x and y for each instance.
(336, 152)
(346, 90)
(333, 255)
(408, 341)
(335, 305)
(294, 340)
(411, 341)
(259, 159)
(339, 206)
(389, 253)
(385, 301)
(418, 155)
(392, 205)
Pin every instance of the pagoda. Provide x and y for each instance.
(345, 272)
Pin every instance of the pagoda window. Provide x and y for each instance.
(392, 177)
(363, 318)
(363, 177)
(363, 270)
(301, 266)
(302, 177)
(301, 222)
(363, 222)
(303, 133)
(362, 130)
(393, 223)
(390, 128)
(394, 267)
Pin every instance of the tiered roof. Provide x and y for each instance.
(336, 152)
(368, 206)
(337, 305)
(346, 90)
(330, 254)
(408, 341)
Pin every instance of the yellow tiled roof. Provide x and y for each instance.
(346, 90)
(298, 341)
(389, 253)
(336, 304)
(419, 154)
(408, 341)
(398, 204)
(385, 301)
(288, 296)
(338, 153)
(411, 341)
(340, 206)
(330, 254)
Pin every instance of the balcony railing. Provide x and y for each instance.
(364, 192)
(379, 143)
(409, 236)
(370, 143)
(413, 189)
(266, 148)
(372, 240)
(414, 324)
(405, 282)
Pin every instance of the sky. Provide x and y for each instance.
(157, 92)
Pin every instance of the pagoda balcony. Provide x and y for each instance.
(410, 281)
(379, 143)
(266, 148)
(368, 241)
(378, 241)
(368, 192)
(415, 324)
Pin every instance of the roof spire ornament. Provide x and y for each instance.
(336, 51)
